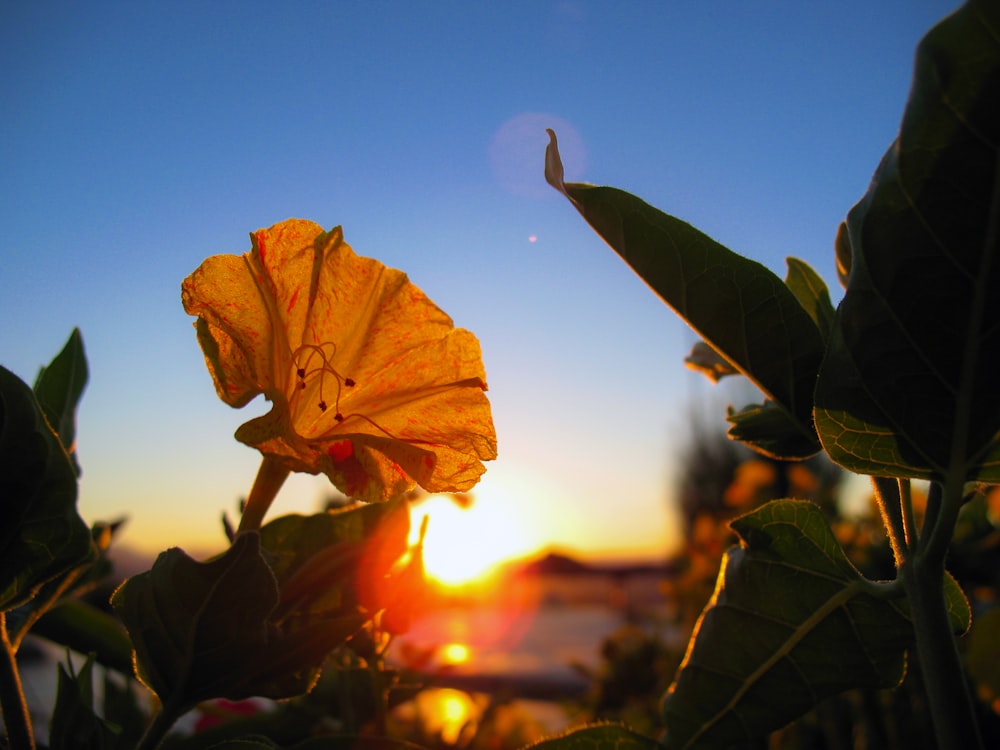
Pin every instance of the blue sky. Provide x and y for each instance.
(137, 139)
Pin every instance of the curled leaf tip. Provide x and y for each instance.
(554, 174)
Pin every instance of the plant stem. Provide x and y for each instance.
(887, 495)
(17, 719)
(955, 724)
(270, 477)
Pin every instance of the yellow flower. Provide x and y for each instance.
(370, 382)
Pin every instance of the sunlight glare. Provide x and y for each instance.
(444, 712)
(465, 544)
(455, 653)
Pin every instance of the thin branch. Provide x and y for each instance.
(17, 719)
(888, 499)
(909, 522)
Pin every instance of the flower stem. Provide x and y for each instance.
(17, 720)
(270, 477)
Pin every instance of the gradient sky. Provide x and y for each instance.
(138, 138)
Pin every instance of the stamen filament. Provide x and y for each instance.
(305, 371)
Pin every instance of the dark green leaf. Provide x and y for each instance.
(88, 630)
(125, 706)
(908, 388)
(58, 389)
(74, 724)
(599, 737)
(811, 292)
(982, 656)
(196, 625)
(709, 362)
(316, 558)
(41, 534)
(739, 307)
(791, 622)
(769, 429)
(287, 595)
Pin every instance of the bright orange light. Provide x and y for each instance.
(455, 653)
(446, 711)
(465, 544)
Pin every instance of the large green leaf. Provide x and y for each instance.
(86, 629)
(744, 311)
(41, 534)
(790, 623)
(909, 386)
(261, 618)
(59, 387)
(317, 559)
(194, 624)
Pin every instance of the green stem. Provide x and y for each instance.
(270, 477)
(17, 719)
(39, 607)
(951, 707)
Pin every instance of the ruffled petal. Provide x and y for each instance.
(371, 383)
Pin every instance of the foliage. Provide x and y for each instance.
(896, 383)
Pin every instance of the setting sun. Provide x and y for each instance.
(463, 544)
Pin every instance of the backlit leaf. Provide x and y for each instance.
(709, 362)
(75, 723)
(41, 534)
(194, 624)
(770, 430)
(738, 306)
(908, 388)
(811, 292)
(59, 388)
(791, 622)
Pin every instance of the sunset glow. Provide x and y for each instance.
(455, 653)
(446, 711)
(466, 544)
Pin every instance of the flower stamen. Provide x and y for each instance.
(304, 370)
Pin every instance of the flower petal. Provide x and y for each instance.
(370, 382)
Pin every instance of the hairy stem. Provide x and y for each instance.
(909, 522)
(17, 719)
(887, 496)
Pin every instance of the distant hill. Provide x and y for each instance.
(555, 563)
